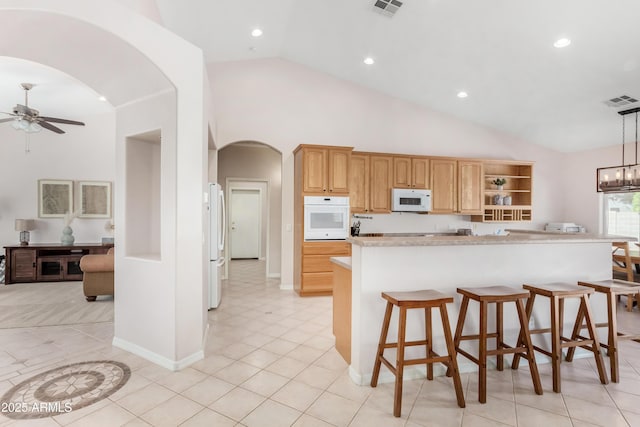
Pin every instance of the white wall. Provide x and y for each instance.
(83, 153)
(285, 104)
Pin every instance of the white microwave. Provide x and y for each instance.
(407, 200)
(326, 218)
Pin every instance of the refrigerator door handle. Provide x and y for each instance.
(223, 225)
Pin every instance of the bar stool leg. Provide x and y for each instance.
(579, 325)
(612, 338)
(531, 357)
(397, 396)
(499, 338)
(381, 343)
(556, 348)
(482, 356)
(453, 362)
(584, 301)
(429, 336)
(515, 363)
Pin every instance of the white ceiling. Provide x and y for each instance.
(499, 51)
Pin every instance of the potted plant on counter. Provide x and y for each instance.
(499, 183)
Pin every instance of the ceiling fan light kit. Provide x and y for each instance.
(624, 178)
(29, 120)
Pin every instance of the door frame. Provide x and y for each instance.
(231, 183)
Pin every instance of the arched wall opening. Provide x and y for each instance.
(156, 82)
(255, 165)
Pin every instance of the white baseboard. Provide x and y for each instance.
(173, 365)
(286, 286)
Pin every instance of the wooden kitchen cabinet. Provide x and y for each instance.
(370, 183)
(380, 183)
(410, 172)
(519, 187)
(444, 186)
(317, 269)
(359, 187)
(470, 187)
(325, 169)
(457, 186)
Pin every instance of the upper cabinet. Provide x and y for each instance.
(470, 187)
(370, 183)
(512, 201)
(456, 186)
(410, 172)
(325, 170)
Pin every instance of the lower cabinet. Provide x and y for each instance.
(317, 269)
(56, 268)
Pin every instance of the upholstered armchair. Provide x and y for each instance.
(97, 275)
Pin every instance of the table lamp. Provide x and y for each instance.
(24, 226)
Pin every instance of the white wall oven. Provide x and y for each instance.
(326, 218)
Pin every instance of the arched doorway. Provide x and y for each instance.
(250, 167)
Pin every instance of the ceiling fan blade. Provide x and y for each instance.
(7, 120)
(64, 121)
(50, 127)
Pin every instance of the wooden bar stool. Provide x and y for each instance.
(498, 295)
(611, 288)
(426, 299)
(557, 292)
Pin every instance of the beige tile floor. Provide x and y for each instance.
(270, 362)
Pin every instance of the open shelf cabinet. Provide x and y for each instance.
(519, 186)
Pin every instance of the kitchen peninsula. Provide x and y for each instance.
(445, 262)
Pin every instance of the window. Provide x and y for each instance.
(622, 214)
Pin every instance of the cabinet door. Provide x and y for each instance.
(359, 183)
(50, 268)
(314, 166)
(338, 177)
(443, 186)
(401, 172)
(23, 265)
(420, 173)
(381, 170)
(470, 183)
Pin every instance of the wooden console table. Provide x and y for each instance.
(47, 262)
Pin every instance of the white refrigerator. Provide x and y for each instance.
(216, 243)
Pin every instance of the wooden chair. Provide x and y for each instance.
(623, 270)
(427, 300)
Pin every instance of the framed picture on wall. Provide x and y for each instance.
(95, 199)
(55, 198)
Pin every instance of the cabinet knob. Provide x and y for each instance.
(324, 189)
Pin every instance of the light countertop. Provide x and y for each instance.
(342, 261)
(513, 237)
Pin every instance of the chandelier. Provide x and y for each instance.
(624, 178)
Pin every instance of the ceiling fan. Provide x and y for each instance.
(29, 119)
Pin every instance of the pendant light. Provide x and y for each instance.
(624, 178)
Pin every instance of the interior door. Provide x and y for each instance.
(244, 223)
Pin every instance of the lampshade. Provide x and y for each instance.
(25, 224)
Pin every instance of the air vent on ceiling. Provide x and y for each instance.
(387, 7)
(620, 101)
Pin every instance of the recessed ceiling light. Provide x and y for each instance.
(102, 98)
(369, 60)
(563, 42)
(462, 94)
(257, 32)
